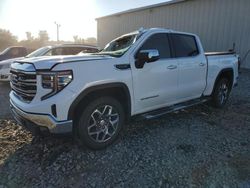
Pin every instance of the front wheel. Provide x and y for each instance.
(221, 93)
(101, 123)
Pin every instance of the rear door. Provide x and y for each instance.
(192, 66)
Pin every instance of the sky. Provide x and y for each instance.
(76, 17)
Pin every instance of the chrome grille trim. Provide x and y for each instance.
(23, 83)
(25, 92)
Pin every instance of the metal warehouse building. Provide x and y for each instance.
(219, 23)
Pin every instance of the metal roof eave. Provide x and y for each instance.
(143, 8)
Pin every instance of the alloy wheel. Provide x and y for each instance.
(223, 92)
(103, 123)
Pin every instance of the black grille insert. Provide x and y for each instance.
(23, 84)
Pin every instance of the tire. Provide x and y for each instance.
(100, 123)
(221, 93)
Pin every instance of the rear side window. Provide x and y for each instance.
(158, 42)
(74, 50)
(90, 50)
(15, 52)
(56, 51)
(23, 51)
(184, 45)
(70, 50)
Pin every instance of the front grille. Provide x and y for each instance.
(23, 84)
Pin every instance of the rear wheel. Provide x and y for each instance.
(221, 93)
(101, 123)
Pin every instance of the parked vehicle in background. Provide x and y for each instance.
(13, 52)
(63, 49)
(146, 73)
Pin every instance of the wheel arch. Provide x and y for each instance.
(225, 73)
(111, 89)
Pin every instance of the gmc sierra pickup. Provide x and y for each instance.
(146, 73)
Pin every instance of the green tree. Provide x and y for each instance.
(7, 39)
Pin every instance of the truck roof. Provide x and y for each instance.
(142, 30)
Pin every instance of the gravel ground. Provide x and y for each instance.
(4, 100)
(196, 147)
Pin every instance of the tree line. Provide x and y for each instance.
(7, 39)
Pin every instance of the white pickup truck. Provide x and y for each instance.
(146, 73)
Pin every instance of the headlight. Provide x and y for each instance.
(55, 81)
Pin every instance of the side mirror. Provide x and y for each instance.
(146, 56)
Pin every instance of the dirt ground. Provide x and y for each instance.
(196, 147)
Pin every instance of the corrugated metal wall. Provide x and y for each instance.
(219, 23)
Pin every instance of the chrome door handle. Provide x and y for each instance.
(172, 67)
(202, 64)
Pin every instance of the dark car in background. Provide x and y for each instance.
(62, 49)
(13, 52)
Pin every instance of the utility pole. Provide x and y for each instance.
(57, 30)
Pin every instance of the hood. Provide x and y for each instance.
(47, 62)
(9, 61)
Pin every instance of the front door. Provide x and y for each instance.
(155, 85)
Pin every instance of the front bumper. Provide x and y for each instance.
(42, 122)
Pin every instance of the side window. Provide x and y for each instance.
(184, 45)
(89, 50)
(71, 50)
(48, 53)
(159, 42)
(54, 51)
(23, 52)
(80, 49)
(57, 51)
(14, 52)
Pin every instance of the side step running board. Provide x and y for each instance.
(163, 111)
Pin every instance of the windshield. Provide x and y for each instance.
(39, 52)
(119, 46)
